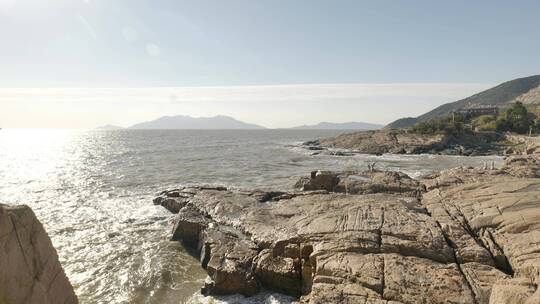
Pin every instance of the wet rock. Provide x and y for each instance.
(173, 200)
(29, 268)
(311, 143)
(188, 225)
(170, 203)
(265, 196)
(227, 257)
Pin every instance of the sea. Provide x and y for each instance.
(93, 191)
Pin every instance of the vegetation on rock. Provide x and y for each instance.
(499, 96)
(516, 119)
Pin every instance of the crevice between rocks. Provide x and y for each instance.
(383, 281)
(504, 265)
(452, 246)
(20, 244)
(380, 230)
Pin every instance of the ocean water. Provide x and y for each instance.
(93, 191)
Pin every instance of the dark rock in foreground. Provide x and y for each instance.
(29, 268)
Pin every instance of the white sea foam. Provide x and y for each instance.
(260, 298)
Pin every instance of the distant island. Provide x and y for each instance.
(195, 123)
(341, 126)
(185, 122)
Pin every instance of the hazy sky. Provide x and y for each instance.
(275, 63)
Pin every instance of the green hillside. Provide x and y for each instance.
(500, 96)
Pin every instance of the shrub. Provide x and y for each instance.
(443, 125)
(484, 123)
(516, 119)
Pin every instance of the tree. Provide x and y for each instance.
(516, 119)
(485, 123)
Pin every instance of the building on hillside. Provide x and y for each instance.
(475, 112)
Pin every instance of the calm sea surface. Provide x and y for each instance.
(93, 191)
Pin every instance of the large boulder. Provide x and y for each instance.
(29, 268)
(319, 180)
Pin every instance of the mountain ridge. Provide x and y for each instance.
(501, 96)
(185, 122)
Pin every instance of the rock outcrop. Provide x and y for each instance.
(400, 141)
(29, 268)
(464, 235)
(367, 182)
(494, 222)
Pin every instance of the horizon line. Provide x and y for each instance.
(307, 84)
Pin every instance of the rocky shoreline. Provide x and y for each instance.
(399, 141)
(464, 235)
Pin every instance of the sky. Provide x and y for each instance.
(280, 63)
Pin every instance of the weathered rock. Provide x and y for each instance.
(457, 176)
(172, 200)
(481, 278)
(400, 141)
(280, 273)
(501, 214)
(29, 268)
(472, 238)
(416, 280)
(523, 165)
(367, 182)
(319, 180)
(513, 291)
(316, 242)
(379, 182)
(227, 256)
(188, 225)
